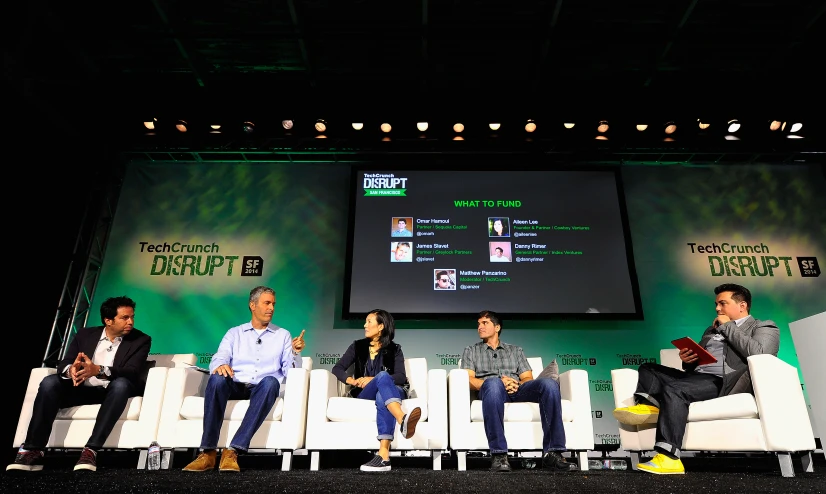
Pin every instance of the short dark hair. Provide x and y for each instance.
(739, 293)
(500, 249)
(389, 331)
(109, 307)
(494, 318)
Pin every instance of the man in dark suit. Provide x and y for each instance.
(103, 365)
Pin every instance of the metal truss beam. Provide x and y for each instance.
(78, 291)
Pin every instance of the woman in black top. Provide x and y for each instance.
(379, 375)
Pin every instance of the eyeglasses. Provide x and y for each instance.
(444, 280)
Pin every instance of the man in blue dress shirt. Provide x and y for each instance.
(251, 364)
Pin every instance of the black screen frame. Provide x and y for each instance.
(526, 164)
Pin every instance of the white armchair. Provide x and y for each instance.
(182, 416)
(336, 421)
(523, 429)
(137, 425)
(774, 419)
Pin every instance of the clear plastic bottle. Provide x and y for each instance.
(153, 457)
(594, 464)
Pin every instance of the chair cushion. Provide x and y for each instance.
(193, 409)
(521, 412)
(131, 411)
(739, 406)
(346, 409)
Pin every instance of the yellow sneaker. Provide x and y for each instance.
(663, 465)
(637, 414)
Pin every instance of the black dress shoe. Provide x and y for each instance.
(500, 464)
(554, 461)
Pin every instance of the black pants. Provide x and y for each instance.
(56, 393)
(672, 391)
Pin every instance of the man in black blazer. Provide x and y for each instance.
(103, 365)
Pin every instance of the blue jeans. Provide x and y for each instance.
(382, 389)
(543, 391)
(219, 391)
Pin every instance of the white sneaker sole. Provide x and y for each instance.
(365, 468)
(24, 468)
(85, 466)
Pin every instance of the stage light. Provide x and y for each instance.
(248, 127)
(320, 125)
(603, 126)
(494, 126)
(385, 139)
(774, 125)
(569, 125)
(321, 136)
(458, 127)
(732, 138)
(181, 126)
(150, 124)
(670, 128)
(422, 126)
(702, 125)
(287, 124)
(601, 138)
(358, 126)
(530, 126)
(458, 138)
(668, 139)
(215, 127)
(385, 127)
(642, 127)
(733, 125)
(795, 127)
(795, 136)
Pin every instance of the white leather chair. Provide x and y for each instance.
(774, 419)
(523, 429)
(182, 417)
(335, 421)
(137, 425)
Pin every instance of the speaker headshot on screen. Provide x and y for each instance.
(499, 227)
(445, 279)
(402, 227)
(400, 252)
(500, 251)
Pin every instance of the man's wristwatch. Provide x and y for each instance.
(104, 372)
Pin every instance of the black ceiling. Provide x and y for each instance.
(155, 56)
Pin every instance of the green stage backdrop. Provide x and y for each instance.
(190, 240)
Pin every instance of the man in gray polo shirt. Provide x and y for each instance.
(664, 394)
(501, 374)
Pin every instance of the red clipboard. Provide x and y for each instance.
(686, 342)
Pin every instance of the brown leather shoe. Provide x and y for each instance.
(203, 463)
(229, 461)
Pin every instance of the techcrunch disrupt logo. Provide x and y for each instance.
(575, 359)
(384, 184)
(754, 265)
(449, 358)
(328, 358)
(180, 259)
(607, 438)
(204, 358)
(602, 385)
(635, 359)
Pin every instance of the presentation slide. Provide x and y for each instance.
(532, 243)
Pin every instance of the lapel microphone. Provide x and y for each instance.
(259, 341)
(110, 348)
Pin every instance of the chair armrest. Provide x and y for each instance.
(437, 408)
(323, 386)
(180, 383)
(294, 417)
(458, 389)
(624, 382)
(573, 386)
(151, 406)
(780, 404)
(35, 376)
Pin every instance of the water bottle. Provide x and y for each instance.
(606, 464)
(594, 464)
(616, 464)
(153, 458)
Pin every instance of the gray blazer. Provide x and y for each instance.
(753, 337)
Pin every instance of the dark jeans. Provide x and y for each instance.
(672, 391)
(219, 391)
(55, 393)
(543, 391)
(384, 391)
